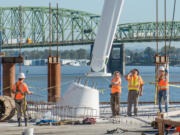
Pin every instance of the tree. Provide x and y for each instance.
(149, 52)
(82, 54)
(172, 49)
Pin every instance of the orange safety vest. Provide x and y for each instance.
(163, 84)
(177, 129)
(117, 87)
(134, 83)
(20, 89)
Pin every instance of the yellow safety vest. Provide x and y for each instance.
(134, 84)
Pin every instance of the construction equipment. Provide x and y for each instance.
(7, 108)
(29, 41)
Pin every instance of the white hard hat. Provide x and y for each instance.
(161, 68)
(21, 75)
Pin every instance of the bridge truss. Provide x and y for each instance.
(75, 28)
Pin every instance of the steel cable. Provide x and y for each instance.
(172, 25)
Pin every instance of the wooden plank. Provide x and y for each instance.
(173, 113)
(168, 122)
(160, 123)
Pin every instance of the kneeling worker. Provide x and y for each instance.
(116, 93)
(20, 89)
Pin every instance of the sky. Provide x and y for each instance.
(133, 11)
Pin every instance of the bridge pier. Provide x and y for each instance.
(8, 78)
(91, 49)
(9, 73)
(54, 78)
(117, 59)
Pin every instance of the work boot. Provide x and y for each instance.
(19, 122)
(25, 120)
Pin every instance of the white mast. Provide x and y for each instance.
(105, 36)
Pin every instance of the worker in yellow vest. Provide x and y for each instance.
(135, 88)
(115, 93)
(162, 87)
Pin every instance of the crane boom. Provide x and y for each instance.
(105, 36)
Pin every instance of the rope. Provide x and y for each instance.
(49, 29)
(172, 26)
(57, 53)
(107, 80)
(178, 86)
(165, 36)
(157, 25)
(157, 36)
(20, 31)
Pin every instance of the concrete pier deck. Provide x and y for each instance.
(135, 125)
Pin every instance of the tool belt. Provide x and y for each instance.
(19, 100)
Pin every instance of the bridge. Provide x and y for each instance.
(75, 28)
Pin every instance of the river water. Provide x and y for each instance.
(37, 81)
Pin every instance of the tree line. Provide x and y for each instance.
(147, 56)
(44, 54)
(144, 57)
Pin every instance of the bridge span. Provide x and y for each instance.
(75, 28)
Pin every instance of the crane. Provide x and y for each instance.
(105, 36)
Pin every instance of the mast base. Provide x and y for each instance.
(98, 74)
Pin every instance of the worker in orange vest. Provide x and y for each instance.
(177, 129)
(162, 87)
(20, 89)
(135, 88)
(115, 93)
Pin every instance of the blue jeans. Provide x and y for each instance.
(163, 94)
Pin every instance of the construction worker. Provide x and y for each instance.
(20, 89)
(115, 93)
(162, 87)
(135, 88)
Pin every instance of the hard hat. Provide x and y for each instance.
(161, 68)
(21, 75)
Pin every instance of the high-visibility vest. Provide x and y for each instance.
(19, 92)
(163, 84)
(134, 83)
(177, 129)
(117, 87)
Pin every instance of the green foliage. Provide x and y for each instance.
(145, 57)
(37, 54)
(72, 54)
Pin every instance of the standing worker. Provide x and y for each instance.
(162, 87)
(20, 89)
(115, 93)
(135, 85)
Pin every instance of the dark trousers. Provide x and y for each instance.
(132, 99)
(163, 94)
(21, 108)
(115, 103)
